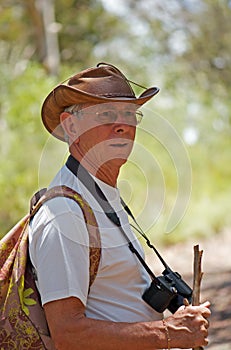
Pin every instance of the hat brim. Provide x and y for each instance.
(64, 96)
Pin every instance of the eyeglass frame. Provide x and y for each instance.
(76, 110)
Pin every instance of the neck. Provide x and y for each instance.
(108, 172)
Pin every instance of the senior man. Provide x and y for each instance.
(97, 114)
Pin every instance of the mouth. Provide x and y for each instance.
(119, 145)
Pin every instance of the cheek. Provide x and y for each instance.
(93, 138)
(133, 133)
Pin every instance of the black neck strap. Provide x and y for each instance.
(87, 180)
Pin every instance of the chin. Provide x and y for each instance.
(118, 161)
(118, 157)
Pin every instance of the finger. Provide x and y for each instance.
(186, 302)
(207, 324)
(206, 304)
(206, 341)
(182, 307)
(206, 313)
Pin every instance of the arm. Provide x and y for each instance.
(71, 330)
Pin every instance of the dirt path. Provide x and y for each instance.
(216, 282)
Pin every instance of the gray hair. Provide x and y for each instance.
(74, 109)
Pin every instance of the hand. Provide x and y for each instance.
(188, 327)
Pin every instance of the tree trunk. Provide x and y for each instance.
(42, 14)
(51, 28)
(37, 28)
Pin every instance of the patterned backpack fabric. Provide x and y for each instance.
(23, 324)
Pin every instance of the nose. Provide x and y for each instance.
(121, 124)
(122, 127)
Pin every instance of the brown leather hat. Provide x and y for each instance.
(101, 84)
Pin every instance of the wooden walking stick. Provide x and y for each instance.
(197, 276)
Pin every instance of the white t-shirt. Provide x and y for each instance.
(58, 243)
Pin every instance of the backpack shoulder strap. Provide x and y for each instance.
(94, 236)
(22, 318)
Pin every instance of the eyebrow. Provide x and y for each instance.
(113, 106)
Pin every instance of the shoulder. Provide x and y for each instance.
(57, 218)
(61, 205)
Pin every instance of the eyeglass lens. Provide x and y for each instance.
(110, 116)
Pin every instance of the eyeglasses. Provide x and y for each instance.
(109, 116)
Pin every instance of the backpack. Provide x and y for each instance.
(23, 324)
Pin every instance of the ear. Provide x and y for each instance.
(68, 123)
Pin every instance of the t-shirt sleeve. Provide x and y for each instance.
(59, 251)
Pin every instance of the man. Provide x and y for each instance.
(97, 114)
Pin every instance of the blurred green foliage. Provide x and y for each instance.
(22, 138)
(172, 47)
